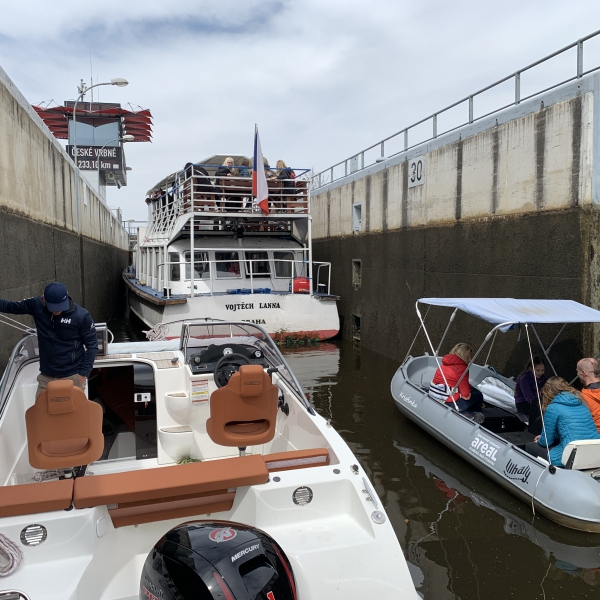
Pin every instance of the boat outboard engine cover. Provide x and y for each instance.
(210, 560)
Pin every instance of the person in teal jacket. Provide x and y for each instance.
(566, 419)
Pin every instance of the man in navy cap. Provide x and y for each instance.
(66, 335)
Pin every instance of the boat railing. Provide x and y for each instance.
(194, 190)
(24, 352)
(205, 271)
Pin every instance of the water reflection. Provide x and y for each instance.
(464, 537)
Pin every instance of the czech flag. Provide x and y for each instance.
(260, 189)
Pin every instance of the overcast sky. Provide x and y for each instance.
(323, 79)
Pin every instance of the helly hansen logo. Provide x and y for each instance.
(67, 321)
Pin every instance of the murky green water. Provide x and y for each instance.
(463, 536)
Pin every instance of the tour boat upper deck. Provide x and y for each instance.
(224, 203)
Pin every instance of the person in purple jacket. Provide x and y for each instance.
(529, 384)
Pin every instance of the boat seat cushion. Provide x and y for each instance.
(170, 492)
(297, 459)
(582, 454)
(32, 498)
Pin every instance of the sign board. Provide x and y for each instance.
(199, 392)
(416, 171)
(111, 158)
(354, 164)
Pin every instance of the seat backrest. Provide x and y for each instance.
(64, 428)
(582, 455)
(244, 412)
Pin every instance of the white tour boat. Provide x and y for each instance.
(247, 265)
(197, 469)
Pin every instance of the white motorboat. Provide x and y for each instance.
(248, 265)
(569, 496)
(198, 469)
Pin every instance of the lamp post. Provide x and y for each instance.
(119, 82)
(125, 138)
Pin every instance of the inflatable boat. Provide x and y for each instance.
(569, 496)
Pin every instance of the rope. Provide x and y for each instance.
(16, 325)
(538, 394)
(415, 338)
(11, 552)
(158, 333)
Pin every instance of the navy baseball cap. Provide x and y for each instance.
(56, 297)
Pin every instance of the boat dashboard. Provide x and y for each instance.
(205, 360)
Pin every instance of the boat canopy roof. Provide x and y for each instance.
(512, 311)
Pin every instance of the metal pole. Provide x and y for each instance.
(579, 58)
(434, 126)
(405, 139)
(382, 149)
(517, 87)
(470, 109)
(192, 265)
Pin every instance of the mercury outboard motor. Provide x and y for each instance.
(217, 560)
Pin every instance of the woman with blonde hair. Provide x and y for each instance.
(453, 370)
(566, 419)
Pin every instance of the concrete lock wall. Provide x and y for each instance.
(41, 235)
(507, 208)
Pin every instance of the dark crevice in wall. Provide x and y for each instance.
(384, 200)
(540, 151)
(576, 117)
(367, 213)
(495, 164)
(404, 200)
(459, 168)
(328, 214)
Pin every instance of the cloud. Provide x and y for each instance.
(322, 79)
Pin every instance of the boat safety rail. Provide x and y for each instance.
(412, 136)
(24, 352)
(258, 270)
(194, 190)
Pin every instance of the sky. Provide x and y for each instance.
(322, 79)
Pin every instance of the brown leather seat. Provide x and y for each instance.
(64, 428)
(32, 498)
(243, 413)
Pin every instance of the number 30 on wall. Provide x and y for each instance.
(416, 171)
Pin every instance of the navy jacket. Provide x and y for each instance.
(566, 420)
(68, 343)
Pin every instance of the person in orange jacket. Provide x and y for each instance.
(588, 371)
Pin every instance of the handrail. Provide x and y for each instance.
(327, 175)
(241, 261)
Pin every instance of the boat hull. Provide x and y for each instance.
(568, 497)
(282, 315)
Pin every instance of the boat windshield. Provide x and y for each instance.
(203, 334)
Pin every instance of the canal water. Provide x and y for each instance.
(463, 536)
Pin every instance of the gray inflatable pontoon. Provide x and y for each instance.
(569, 496)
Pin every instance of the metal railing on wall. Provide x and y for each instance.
(363, 159)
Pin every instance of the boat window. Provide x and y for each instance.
(258, 264)
(227, 264)
(201, 265)
(174, 268)
(283, 264)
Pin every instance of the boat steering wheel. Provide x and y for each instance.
(227, 366)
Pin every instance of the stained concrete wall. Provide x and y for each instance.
(41, 237)
(508, 208)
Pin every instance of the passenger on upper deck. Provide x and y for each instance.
(454, 365)
(244, 171)
(566, 419)
(588, 371)
(287, 175)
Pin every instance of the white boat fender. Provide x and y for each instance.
(12, 553)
